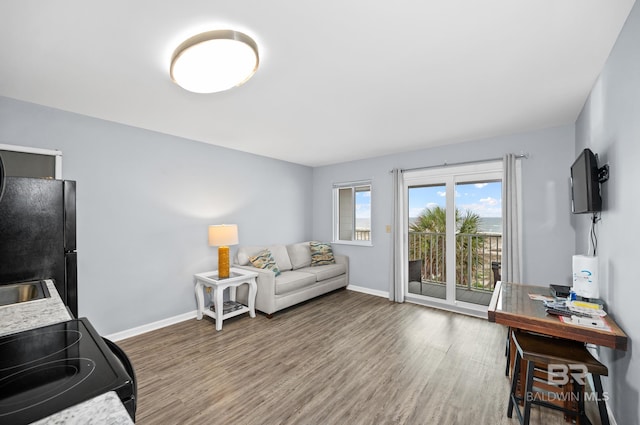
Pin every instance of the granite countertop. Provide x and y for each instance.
(104, 409)
(33, 314)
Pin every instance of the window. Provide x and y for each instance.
(352, 212)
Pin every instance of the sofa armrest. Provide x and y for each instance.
(266, 282)
(343, 259)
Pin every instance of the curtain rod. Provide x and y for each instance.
(446, 164)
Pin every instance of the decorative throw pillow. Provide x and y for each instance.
(321, 254)
(264, 260)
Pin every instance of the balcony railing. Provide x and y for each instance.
(478, 258)
(363, 234)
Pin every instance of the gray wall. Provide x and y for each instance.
(546, 214)
(144, 203)
(610, 125)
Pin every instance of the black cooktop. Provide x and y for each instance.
(48, 369)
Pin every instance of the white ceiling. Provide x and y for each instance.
(338, 81)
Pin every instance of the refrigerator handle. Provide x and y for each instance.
(71, 282)
(69, 188)
(2, 178)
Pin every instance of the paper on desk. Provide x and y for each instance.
(540, 297)
(587, 308)
(594, 322)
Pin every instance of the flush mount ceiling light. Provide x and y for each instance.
(214, 61)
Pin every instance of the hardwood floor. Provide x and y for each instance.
(344, 358)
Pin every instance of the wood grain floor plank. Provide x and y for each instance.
(344, 358)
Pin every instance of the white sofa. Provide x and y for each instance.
(298, 280)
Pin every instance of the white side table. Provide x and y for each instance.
(236, 278)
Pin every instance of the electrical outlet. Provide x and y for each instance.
(388, 228)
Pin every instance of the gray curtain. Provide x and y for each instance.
(396, 286)
(511, 220)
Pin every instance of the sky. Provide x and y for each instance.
(485, 199)
(363, 204)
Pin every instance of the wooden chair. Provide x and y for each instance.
(536, 353)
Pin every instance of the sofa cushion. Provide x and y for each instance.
(281, 256)
(244, 252)
(325, 272)
(279, 253)
(293, 280)
(299, 254)
(264, 260)
(321, 253)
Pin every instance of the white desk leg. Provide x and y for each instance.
(218, 301)
(253, 289)
(199, 299)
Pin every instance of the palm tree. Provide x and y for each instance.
(435, 220)
(432, 248)
(467, 247)
(431, 220)
(467, 223)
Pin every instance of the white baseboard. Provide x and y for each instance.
(377, 293)
(151, 326)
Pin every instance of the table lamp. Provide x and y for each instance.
(223, 235)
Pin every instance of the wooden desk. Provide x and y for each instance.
(511, 306)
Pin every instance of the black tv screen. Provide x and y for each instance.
(585, 187)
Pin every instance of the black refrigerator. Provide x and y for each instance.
(38, 233)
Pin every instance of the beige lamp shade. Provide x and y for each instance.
(223, 234)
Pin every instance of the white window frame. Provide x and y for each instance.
(38, 151)
(336, 212)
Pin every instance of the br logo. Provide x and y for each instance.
(561, 374)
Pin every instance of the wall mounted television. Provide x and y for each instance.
(585, 184)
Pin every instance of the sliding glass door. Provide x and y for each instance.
(454, 233)
(427, 236)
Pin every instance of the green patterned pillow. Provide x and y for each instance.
(321, 254)
(264, 260)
